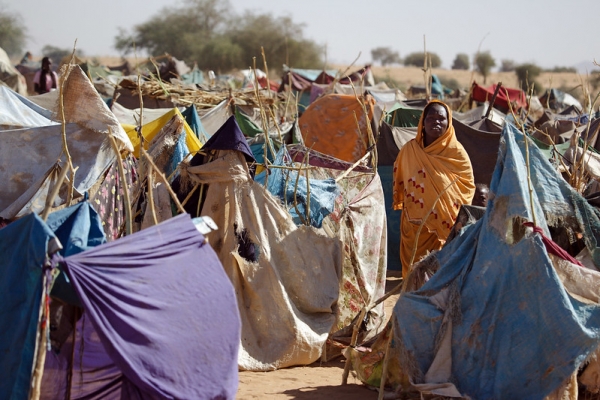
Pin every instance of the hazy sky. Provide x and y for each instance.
(547, 32)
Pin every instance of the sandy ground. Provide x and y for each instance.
(318, 381)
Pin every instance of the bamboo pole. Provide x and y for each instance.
(54, 192)
(151, 197)
(128, 219)
(386, 360)
(165, 181)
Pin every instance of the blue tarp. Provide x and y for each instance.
(393, 218)
(23, 246)
(323, 192)
(516, 332)
(193, 120)
(78, 228)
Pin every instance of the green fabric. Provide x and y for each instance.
(247, 126)
(548, 150)
(402, 116)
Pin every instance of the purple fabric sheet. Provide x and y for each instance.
(164, 310)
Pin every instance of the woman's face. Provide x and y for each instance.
(435, 123)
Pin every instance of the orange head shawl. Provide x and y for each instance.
(422, 173)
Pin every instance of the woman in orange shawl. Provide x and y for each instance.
(431, 165)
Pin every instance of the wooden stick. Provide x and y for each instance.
(386, 360)
(128, 219)
(151, 197)
(346, 172)
(184, 202)
(65, 147)
(307, 190)
(41, 344)
(162, 178)
(353, 340)
(54, 192)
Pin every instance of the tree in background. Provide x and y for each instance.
(385, 56)
(484, 62)
(527, 74)
(507, 66)
(417, 60)
(281, 38)
(206, 32)
(12, 32)
(461, 62)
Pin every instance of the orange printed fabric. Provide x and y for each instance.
(329, 125)
(420, 176)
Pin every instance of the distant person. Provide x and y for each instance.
(481, 195)
(45, 79)
(433, 177)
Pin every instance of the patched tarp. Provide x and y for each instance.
(285, 277)
(24, 245)
(337, 125)
(30, 158)
(16, 111)
(151, 129)
(499, 319)
(164, 311)
(359, 221)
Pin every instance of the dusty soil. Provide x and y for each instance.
(318, 381)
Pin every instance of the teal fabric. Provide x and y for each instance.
(193, 120)
(78, 228)
(386, 175)
(24, 246)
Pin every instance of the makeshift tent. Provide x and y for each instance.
(24, 245)
(29, 163)
(477, 113)
(358, 220)
(174, 333)
(18, 112)
(557, 100)
(286, 277)
(151, 129)
(403, 116)
(213, 118)
(515, 96)
(337, 125)
(507, 314)
(481, 140)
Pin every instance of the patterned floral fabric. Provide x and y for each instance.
(359, 220)
(109, 199)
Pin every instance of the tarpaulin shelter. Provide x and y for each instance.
(286, 277)
(481, 141)
(330, 126)
(515, 96)
(29, 156)
(17, 111)
(164, 312)
(508, 314)
(151, 129)
(557, 100)
(403, 116)
(358, 220)
(160, 319)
